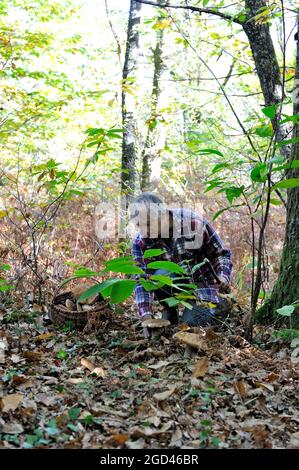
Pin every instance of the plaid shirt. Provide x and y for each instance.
(178, 249)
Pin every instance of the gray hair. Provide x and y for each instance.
(148, 198)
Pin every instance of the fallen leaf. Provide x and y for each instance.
(240, 388)
(260, 434)
(2, 356)
(192, 339)
(184, 327)
(88, 364)
(142, 371)
(176, 438)
(98, 371)
(27, 403)
(150, 432)
(22, 380)
(75, 381)
(120, 438)
(15, 358)
(294, 442)
(32, 356)
(12, 428)
(211, 335)
(272, 377)
(154, 420)
(164, 395)
(47, 399)
(159, 364)
(138, 444)
(10, 402)
(264, 385)
(201, 367)
(43, 337)
(3, 344)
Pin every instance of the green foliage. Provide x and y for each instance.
(153, 252)
(62, 354)
(270, 111)
(259, 173)
(167, 265)
(118, 290)
(287, 334)
(3, 282)
(287, 184)
(288, 310)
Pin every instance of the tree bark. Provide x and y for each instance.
(263, 51)
(128, 103)
(150, 146)
(286, 289)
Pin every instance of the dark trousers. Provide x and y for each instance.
(196, 316)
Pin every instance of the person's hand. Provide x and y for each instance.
(224, 285)
(146, 332)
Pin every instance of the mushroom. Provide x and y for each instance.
(78, 291)
(155, 326)
(70, 305)
(192, 341)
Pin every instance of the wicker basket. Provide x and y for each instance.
(59, 315)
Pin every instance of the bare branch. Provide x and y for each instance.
(208, 11)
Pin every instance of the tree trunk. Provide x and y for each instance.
(150, 146)
(128, 103)
(263, 51)
(286, 289)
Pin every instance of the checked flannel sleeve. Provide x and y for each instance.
(144, 299)
(218, 255)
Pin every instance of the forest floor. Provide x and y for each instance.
(64, 388)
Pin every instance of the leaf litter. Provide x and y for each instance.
(63, 388)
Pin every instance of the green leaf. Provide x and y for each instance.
(73, 427)
(187, 305)
(171, 301)
(62, 354)
(84, 272)
(220, 166)
(117, 131)
(264, 131)
(294, 140)
(124, 265)
(233, 193)
(294, 118)
(277, 159)
(119, 261)
(289, 183)
(211, 151)
(5, 267)
(104, 288)
(288, 166)
(121, 290)
(168, 265)
(259, 173)
(286, 311)
(74, 413)
(276, 202)
(153, 252)
(218, 213)
(162, 279)
(148, 285)
(197, 266)
(270, 111)
(213, 185)
(124, 268)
